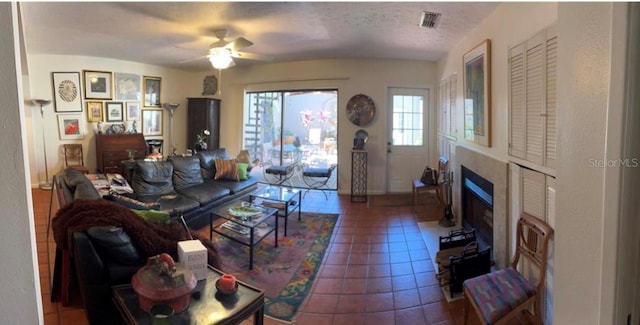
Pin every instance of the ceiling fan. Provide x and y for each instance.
(222, 52)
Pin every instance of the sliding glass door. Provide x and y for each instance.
(292, 127)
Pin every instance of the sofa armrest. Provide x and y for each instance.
(93, 281)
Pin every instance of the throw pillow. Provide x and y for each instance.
(153, 216)
(132, 203)
(242, 171)
(226, 169)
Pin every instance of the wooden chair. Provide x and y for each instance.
(74, 157)
(418, 187)
(500, 296)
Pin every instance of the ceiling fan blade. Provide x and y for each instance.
(238, 43)
(252, 56)
(193, 59)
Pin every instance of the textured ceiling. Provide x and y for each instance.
(168, 33)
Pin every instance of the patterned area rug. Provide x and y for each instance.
(286, 272)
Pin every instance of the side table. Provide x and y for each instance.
(358, 176)
(207, 305)
(281, 198)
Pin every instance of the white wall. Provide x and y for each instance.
(350, 77)
(590, 128)
(508, 25)
(174, 87)
(21, 302)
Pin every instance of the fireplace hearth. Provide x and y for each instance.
(477, 206)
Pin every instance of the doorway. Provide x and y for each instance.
(293, 128)
(407, 147)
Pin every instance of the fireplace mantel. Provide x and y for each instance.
(496, 172)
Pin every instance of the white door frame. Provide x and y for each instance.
(413, 167)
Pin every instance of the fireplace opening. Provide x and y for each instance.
(477, 206)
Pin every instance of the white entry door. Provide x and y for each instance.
(407, 146)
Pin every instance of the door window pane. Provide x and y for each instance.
(407, 120)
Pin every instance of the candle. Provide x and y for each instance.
(227, 282)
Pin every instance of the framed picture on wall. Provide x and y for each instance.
(70, 126)
(151, 122)
(151, 91)
(133, 111)
(67, 92)
(97, 84)
(127, 86)
(114, 112)
(94, 111)
(477, 94)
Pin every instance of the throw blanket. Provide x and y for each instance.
(150, 238)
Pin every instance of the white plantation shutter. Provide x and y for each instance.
(551, 70)
(517, 130)
(453, 81)
(533, 193)
(532, 98)
(535, 99)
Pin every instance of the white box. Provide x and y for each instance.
(193, 255)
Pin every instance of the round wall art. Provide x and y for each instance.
(361, 110)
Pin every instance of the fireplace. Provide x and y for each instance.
(477, 206)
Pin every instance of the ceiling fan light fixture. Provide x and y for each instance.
(220, 58)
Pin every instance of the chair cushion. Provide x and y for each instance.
(279, 170)
(497, 293)
(226, 169)
(186, 171)
(152, 178)
(317, 172)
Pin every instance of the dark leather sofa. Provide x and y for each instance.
(105, 256)
(186, 185)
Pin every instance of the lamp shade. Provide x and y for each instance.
(42, 102)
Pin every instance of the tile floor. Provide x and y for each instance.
(377, 270)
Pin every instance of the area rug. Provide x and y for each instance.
(401, 199)
(431, 232)
(286, 272)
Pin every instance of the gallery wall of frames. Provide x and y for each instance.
(114, 102)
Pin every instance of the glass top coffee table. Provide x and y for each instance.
(207, 305)
(286, 199)
(246, 230)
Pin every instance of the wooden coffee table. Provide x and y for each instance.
(207, 305)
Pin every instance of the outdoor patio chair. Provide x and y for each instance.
(317, 178)
(278, 174)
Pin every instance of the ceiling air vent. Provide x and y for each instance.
(429, 19)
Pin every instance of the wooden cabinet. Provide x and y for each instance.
(203, 114)
(111, 150)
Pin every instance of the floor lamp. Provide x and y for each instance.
(171, 108)
(43, 102)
